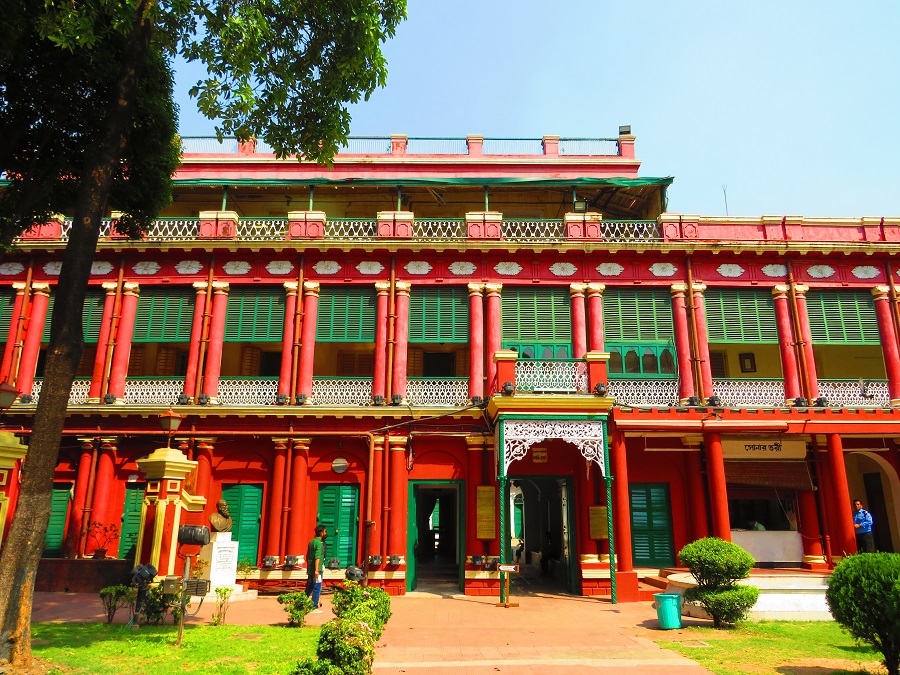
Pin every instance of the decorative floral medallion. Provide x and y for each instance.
(866, 272)
(508, 269)
(730, 270)
(327, 267)
(417, 267)
(563, 269)
(189, 267)
(610, 269)
(370, 267)
(774, 270)
(9, 269)
(53, 268)
(146, 267)
(279, 267)
(101, 267)
(663, 269)
(462, 268)
(820, 271)
(235, 267)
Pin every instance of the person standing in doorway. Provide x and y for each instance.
(862, 522)
(315, 566)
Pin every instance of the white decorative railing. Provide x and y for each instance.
(78, 393)
(631, 230)
(533, 228)
(644, 392)
(351, 228)
(174, 228)
(447, 228)
(764, 393)
(341, 391)
(247, 391)
(855, 394)
(562, 376)
(451, 391)
(155, 390)
(261, 229)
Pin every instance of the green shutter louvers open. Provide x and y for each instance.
(255, 314)
(741, 315)
(346, 314)
(637, 315)
(438, 314)
(842, 317)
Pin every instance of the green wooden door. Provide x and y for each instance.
(651, 525)
(339, 512)
(131, 519)
(245, 507)
(56, 526)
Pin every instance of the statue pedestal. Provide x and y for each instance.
(221, 553)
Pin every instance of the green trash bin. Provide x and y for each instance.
(668, 610)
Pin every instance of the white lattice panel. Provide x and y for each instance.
(36, 387)
(852, 394)
(436, 392)
(80, 391)
(551, 376)
(750, 393)
(644, 392)
(173, 228)
(520, 435)
(262, 229)
(337, 391)
(534, 229)
(153, 391)
(350, 228)
(450, 228)
(247, 391)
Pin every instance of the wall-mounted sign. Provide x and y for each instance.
(763, 448)
(485, 512)
(599, 523)
(539, 455)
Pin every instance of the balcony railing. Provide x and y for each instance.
(855, 394)
(342, 390)
(657, 392)
(447, 391)
(153, 390)
(552, 376)
(750, 392)
(79, 393)
(247, 390)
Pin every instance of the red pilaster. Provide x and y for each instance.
(308, 343)
(376, 475)
(806, 337)
(579, 320)
(275, 496)
(122, 352)
(296, 544)
(718, 494)
(401, 340)
(398, 497)
(216, 340)
(595, 316)
(13, 333)
(888, 341)
(621, 503)
(476, 341)
(810, 534)
(203, 455)
(844, 541)
(379, 378)
(494, 334)
(682, 342)
(584, 499)
(32, 347)
(786, 343)
(699, 516)
(101, 507)
(79, 496)
(702, 339)
(193, 364)
(475, 444)
(109, 303)
(287, 342)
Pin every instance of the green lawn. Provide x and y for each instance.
(101, 649)
(776, 647)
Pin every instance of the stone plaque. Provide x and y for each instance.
(486, 512)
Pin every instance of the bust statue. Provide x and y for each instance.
(220, 520)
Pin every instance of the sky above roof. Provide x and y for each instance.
(793, 107)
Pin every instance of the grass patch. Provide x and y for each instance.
(776, 647)
(101, 649)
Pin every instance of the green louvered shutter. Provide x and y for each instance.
(164, 315)
(651, 525)
(339, 512)
(536, 314)
(741, 315)
(7, 300)
(255, 314)
(637, 315)
(245, 509)
(439, 315)
(92, 314)
(842, 317)
(346, 314)
(45, 336)
(56, 525)
(131, 519)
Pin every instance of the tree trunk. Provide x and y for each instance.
(23, 547)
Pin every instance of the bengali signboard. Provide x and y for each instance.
(763, 448)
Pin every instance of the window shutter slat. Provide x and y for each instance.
(164, 315)
(346, 314)
(438, 314)
(536, 315)
(741, 315)
(637, 315)
(255, 314)
(842, 317)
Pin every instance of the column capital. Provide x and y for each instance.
(302, 443)
(397, 442)
(40, 288)
(378, 440)
(577, 289)
(800, 288)
(679, 288)
(19, 286)
(698, 287)
(382, 287)
(596, 289)
(131, 288)
(476, 289)
(402, 287)
(200, 286)
(109, 286)
(280, 443)
(780, 289)
(290, 287)
(311, 287)
(476, 442)
(493, 289)
(220, 287)
(881, 292)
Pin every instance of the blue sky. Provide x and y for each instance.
(794, 105)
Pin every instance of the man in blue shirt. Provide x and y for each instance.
(862, 522)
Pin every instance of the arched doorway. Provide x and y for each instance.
(873, 480)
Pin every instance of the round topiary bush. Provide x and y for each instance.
(348, 644)
(864, 597)
(725, 605)
(716, 566)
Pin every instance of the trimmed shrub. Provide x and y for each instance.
(349, 645)
(315, 667)
(864, 597)
(716, 563)
(297, 606)
(347, 594)
(726, 605)
(115, 598)
(365, 613)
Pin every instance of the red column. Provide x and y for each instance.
(401, 340)
(398, 497)
(595, 316)
(297, 537)
(476, 341)
(13, 333)
(888, 341)
(308, 342)
(810, 534)
(376, 472)
(101, 506)
(287, 342)
(584, 499)
(844, 542)
(109, 303)
(702, 339)
(79, 498)
(579, 321)
(193, 364)
(276, 495)
(379, 378)
(806, 338)
(682, 342)
(494, 332)
(203, 456)
(621, 503)
(216, 340)
(699, 516)
(718, 494)
(786, 344)
(122, 352)
(475, 444)
(32, 347)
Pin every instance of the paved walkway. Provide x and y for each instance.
(439, 632)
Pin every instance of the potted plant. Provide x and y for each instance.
(104, 535)
(244, 569)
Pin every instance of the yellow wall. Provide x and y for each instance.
(850, 362)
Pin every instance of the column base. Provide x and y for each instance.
(895, 402)
(814, 562)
